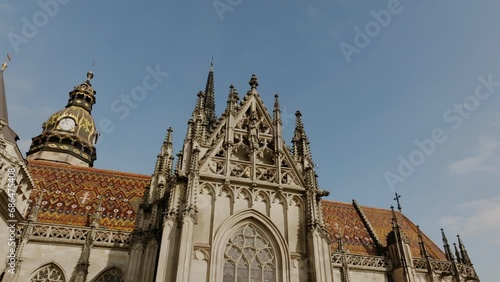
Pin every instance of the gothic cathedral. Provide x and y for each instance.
(235, 204)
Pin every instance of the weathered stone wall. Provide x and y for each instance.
(37, 254)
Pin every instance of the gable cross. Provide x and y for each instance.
(397, 200)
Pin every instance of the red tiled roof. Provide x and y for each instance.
(71, 194)
(356, 236)
(343, 218)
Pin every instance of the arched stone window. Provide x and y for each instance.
(48, 273)
(113, 274)
(249, 256)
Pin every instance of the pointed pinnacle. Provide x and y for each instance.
(276, 102)
(443, 235)
(199, 102)
(253, 82)
(168, 138)
(394, 217)
(33, 216)
(232, 98)
(423, 249)
(298, 120)
(457, 253)
(465, 256)
(447, 249)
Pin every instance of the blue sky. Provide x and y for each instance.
(361, 116)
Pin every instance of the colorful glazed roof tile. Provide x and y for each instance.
(71, 194)
(343, 217)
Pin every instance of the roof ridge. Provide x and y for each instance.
(368, 226)
(90, 169)
(350, 204)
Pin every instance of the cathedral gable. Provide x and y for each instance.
(243, 146)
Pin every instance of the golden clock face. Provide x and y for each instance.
(67, 124)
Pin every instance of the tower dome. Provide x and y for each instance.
(69, 135)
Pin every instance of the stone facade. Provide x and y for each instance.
(237, 205)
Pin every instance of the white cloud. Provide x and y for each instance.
(476, 218)
(485, 160)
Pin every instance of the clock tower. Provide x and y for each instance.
(69, 135)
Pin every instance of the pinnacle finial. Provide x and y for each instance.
(457, 253)
(96, 216)
(33, 215)
(276, 102)
(447, 250)
(463, 251)
(298, 120)
(90, 75)
(199, 103)
(253, 82)
(4, 65)
(394, 217)
(212, 64)
(168, 138)
(423, 250)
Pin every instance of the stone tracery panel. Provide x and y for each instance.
(113, 274)
(48, 273)
(249, 257)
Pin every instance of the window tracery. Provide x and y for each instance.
(111, 275)
(249, 257)
(48, 273)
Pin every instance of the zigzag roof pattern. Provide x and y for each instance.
(70, 194)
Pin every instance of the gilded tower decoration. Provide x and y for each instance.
(69, 135)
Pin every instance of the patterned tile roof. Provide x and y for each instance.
(71, 194)
(342, 216)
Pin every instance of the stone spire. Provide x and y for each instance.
(35, 210)
(165, 157)
(5, 130)
(424, 254)
(400, 253)
(209, 98)
(23, 239)
(300, 142)
(423, 249)
(447, 250)
(232, 100)
(278, 133)
(463, 251)
(344, 273)
(82, 266)
(457, 253)
(197, 124)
